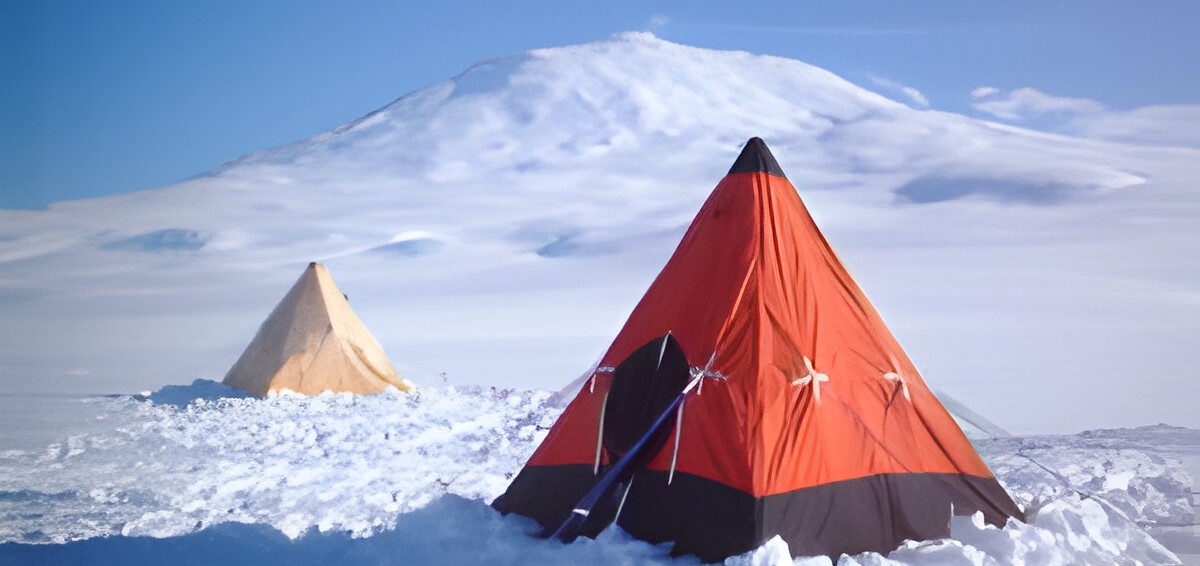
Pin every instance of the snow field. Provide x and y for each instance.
(334, 462)
(370, 476)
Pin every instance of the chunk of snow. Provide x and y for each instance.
(291, 477)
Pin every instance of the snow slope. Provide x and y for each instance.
(200, 474)
(497, 227)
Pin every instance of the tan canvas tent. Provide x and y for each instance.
(313, 342)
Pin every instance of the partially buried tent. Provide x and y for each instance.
(810, 422)
(313, 342)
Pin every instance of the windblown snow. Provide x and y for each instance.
(400, 478)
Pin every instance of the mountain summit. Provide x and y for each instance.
(556, 107)
(500, 222)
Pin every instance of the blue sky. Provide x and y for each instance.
(100, 98)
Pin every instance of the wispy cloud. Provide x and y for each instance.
(1026, 103)
(984, 91)
(659, 20)
(913, 95)
(1159, 125)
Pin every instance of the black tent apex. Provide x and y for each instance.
(756, 158)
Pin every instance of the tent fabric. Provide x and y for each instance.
(821, 430)
(642, 398)
(313, 342)
(642, 387)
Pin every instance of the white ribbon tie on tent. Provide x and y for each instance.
(813, 378)
(706, 372)
(897, 378)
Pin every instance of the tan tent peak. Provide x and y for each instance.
(313, 342)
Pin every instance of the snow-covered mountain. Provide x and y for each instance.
(498, 227)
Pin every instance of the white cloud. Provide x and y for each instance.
(984, 91)
(659, 20)
(1028, 103)
(913, 95)
(1157, 125)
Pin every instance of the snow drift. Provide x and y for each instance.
(397, 478)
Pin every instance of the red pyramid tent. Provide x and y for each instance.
(816, 427)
